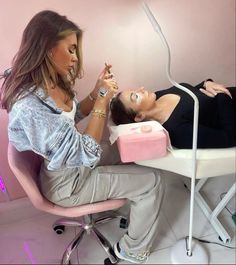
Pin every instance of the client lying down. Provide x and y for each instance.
(173, 108)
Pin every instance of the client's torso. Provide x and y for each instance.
(181, 107)
(165, 106)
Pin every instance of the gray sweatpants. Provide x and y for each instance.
(141, 185)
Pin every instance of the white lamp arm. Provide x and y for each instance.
(157, 28)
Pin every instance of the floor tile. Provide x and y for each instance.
(220, 254)
(33, 241)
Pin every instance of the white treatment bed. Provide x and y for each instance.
(197, 165)
(210, 163)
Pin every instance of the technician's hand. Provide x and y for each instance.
(212, 89)
(106, 80)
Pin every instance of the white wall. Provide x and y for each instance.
(201, 34)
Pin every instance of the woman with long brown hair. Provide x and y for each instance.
(43, 112)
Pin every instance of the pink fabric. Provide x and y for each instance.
(142, 146)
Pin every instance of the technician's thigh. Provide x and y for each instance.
(116, 181)
(141, 185)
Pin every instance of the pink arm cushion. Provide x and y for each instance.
(142, 146)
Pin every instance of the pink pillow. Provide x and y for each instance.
(142, 146)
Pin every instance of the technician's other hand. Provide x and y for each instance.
(212, 89)
(105, 79)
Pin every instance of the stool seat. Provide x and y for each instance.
(26, 166)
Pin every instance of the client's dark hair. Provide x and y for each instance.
(119, 114)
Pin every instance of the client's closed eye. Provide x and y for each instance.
(134, 97)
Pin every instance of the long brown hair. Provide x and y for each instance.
(32, 66)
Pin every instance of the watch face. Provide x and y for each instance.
(103, 92)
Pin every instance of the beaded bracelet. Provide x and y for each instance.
(99, 113)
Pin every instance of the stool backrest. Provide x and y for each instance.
(26, 167)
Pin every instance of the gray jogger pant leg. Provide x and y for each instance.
(141, 185)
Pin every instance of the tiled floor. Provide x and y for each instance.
(27, 236)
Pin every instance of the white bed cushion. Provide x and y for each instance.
(210, 166)
(213, 153)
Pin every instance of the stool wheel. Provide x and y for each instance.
(59, 229)
(124, 223)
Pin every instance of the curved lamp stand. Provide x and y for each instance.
(184, 251)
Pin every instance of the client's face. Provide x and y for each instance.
(138, 100)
